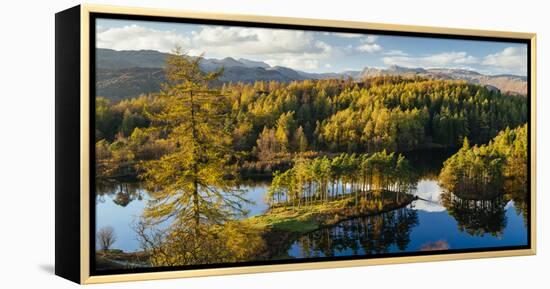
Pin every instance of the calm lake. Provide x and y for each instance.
(429, 223)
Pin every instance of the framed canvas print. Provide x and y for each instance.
(194, 144)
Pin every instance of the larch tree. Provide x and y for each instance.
(194, 183)
(300, 140)
(285, 125)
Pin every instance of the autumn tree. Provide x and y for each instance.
(285, 125)
(106, 119)
(323, 179)
(480, 172)
(195, 182)
(300, 140)
(393, 113)
(177, 245)
(268, 145)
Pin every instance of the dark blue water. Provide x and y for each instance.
(434, 231)
(424, 225)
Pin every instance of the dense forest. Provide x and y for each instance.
(481, 171)
(270, 122)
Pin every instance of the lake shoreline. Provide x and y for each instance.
(300, 219)
(282, 226)
(118, 259)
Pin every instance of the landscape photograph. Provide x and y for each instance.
(220, 145)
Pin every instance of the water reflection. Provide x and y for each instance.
(435, 246)
(484, 212)
(435, 221)
(428, 193)
(121, 193)
(477, 217)
(368, 235)
(516, 190)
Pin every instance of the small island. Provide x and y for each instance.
(311, 217)
(324, 191)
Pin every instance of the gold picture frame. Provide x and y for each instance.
(74, 263)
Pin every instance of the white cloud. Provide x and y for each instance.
(289, 48)
(100, 29)
(369, 44)
(429, 193)
(228, 40)
(220, 35)
(369, 39)
(509, 60)
(444, 59)
(292, 48)
(303, 63)
(134, 37)
(395, 52)
(369, 48)
(345, 35)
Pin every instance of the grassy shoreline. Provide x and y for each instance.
(118, 259)
(309, 218)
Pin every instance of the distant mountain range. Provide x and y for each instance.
(124, 74)
(504, 82)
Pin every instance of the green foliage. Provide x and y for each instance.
(120, 119)
(300, 140)
(320, 180)
(393, 113)
(479, 172)
(131, 121)
(195, 180)
(285, 124)
(106, 120)
(267, 121)
(181, 245)
(315, 215)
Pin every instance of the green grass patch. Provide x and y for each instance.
(305, 219)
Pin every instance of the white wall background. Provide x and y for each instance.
(27, 143)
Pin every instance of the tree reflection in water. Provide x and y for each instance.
(477, 217)
(366, 235)
(486, 213)
(516, 190)
(480, 180)
(124, 193)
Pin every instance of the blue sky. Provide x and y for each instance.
(314, 51)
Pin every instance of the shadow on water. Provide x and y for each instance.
(376, 234)
(477, 217)
(479, 212)
(428, 162)
(122, 193)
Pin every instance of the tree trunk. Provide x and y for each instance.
(196, 204)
